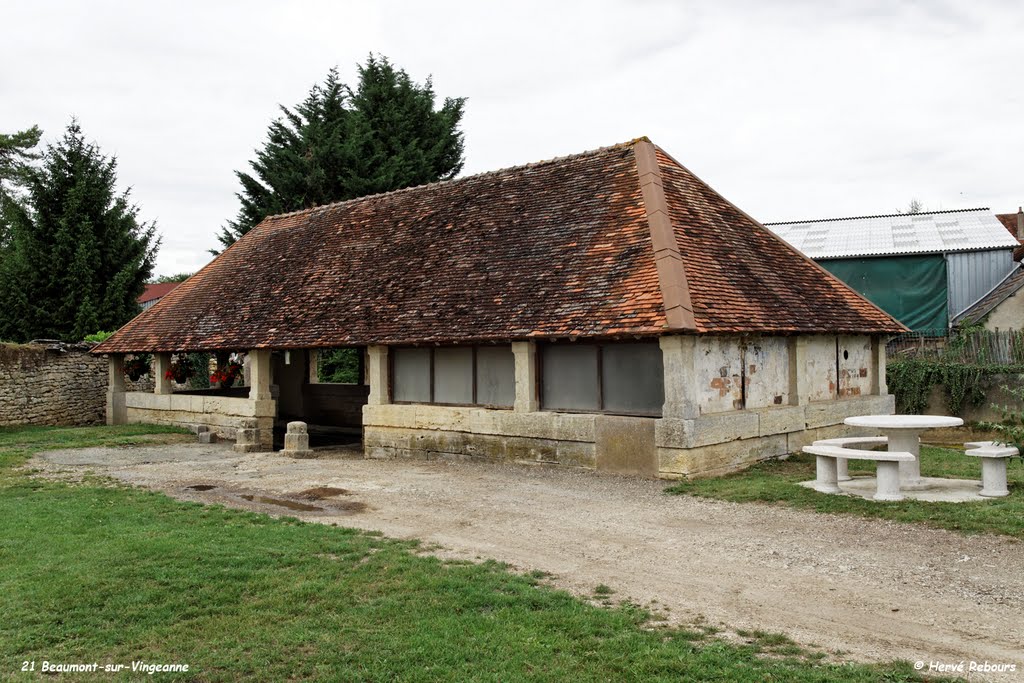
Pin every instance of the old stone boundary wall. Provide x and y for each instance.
(54, 384)
(993, 387)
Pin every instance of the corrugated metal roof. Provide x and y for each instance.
(903, 233)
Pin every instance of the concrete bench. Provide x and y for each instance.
(993, 466)
(888, 469)
(850, 442)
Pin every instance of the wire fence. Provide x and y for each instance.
(975, 347)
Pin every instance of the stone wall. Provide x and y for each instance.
(730, 402)
(668, 448)
(993, 386)
(54, 384)
(224, 415)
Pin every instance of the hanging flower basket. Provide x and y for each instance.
(181, 369)
(137, 366)
(226, 377)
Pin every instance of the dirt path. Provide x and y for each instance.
(872, 589)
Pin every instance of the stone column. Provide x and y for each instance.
(527, 394)
(117, 411)
(314, 365)
(879, 387)
(259, 375)
(799, 379)
(161, 366)
(678, 358)
(377, 375)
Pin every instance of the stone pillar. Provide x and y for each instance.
(296, 441)
(161, 366)
(879, 387)
(678, 354)
(314, 365)
(377, 375)
(259, 371)
(799, 379)
(117, 411)
(527, 394)
(247, 437)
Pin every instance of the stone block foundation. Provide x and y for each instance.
(669, 448)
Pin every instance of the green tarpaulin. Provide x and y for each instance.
(911, 289)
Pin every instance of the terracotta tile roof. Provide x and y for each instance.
(561, 248)
(1000, 293)
(157, 291)
(743, 277)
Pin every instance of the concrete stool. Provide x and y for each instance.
(296, 441)
(247, 437)
(993, 466)
(206, 436)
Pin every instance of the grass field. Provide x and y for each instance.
(775, 482)
(98, 573)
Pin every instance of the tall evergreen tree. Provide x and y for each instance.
(78, 257)
(16, 155)
(339, 144)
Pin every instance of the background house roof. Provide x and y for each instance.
(920, 233)
(556, 249)
(1010, 221)
(1010, 285)
(157, 291)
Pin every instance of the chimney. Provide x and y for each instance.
(1020, 223)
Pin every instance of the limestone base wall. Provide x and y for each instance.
(224, 415)
(709, 445)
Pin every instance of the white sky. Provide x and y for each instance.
(790, 109)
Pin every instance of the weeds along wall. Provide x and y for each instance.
(54, 384)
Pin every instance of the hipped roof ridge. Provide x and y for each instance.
(453, 181)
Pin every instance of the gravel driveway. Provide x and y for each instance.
(874, 590)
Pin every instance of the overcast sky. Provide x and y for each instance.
(791, 110)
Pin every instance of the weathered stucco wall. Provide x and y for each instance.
(708, 432)
(53, 384)
(1009, 315)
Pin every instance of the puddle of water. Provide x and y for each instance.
(291, 505)
(201, 487)
(321, 492)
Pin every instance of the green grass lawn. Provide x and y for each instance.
(94, 573)
(775, 481)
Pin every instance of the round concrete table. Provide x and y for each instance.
(904, 432)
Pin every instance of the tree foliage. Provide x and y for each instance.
(16, 155)
(341, 144)
(174, 277)
(78, 257)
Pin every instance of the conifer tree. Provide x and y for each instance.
(16, 156)
(341, 144)
(78, 256)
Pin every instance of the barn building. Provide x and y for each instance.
(605, 310)
(924, 268)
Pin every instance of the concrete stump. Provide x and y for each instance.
(888, 478)
(206, 436)
(827, 479)
(247, 438)
(296, 441)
